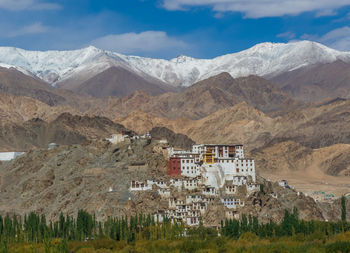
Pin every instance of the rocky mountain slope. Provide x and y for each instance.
(96, 175)
(266, 59)
(68, 178)
(65, 129)
(308, 170)
(19, 109)
(289, 156)
(202, 99)
(175, 140)
(117, 82)
(312, 127)
(16, 83)
(317, 82)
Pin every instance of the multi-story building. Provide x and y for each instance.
(201, 177)
(185, 164)
(216, 163)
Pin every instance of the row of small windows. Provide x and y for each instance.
(242, 170)
(237, 162)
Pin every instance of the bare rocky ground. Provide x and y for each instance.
(75, 177)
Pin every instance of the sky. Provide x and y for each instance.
(168, 28)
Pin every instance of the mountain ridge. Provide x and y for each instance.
(264, 59)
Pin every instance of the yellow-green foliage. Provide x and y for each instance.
(247, 243)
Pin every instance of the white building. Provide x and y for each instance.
(192, 221)
(160, 184)
(191, 183)
(230, 189)
(200, 206)
(189, 166)
(220, 151)
(193, 199)
(8, 156)
(177, 183)
(164, 193)
(283, 183)
(210, 191)
(116, 138)
(252, 187)
(229, 202)
(204, 173)
(239, 180)
(139, 186)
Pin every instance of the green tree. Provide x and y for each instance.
(343, 209)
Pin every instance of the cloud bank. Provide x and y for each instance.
(338, 38)
(261, 8)
(20, 5)
(35, 28)
(135, 43)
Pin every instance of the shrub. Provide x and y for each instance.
(338, 247)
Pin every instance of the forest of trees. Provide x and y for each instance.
(59, 236)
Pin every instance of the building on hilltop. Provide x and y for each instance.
(204, 176)
(216, 163)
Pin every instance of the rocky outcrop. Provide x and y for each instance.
(64, 130)
(175, 140)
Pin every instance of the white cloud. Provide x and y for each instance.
(338, 38)
(286, 35)
(35, 28)
(260, 8)
(19, 5)
(144, 42)
(325, 13)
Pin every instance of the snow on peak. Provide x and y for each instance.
(182, 58)
(262, 59)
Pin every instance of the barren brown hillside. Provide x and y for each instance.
(313, 127)
(65, 129)
(67, 178)
(317, 82)
(308, 170)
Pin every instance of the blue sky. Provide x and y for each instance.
(167, 28)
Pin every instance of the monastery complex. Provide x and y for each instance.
(202, 175)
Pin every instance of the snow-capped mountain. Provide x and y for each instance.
(265, 59)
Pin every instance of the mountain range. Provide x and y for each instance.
(85, 70)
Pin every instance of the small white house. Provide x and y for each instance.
(191, 183)
(139, 186)
(193, 199)
(284, 183)
(230, 189)
(192, 221)
(116, 138)
(253, 188)
(159, 217)
(229, 202)
(210, 191)
(164, 193)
